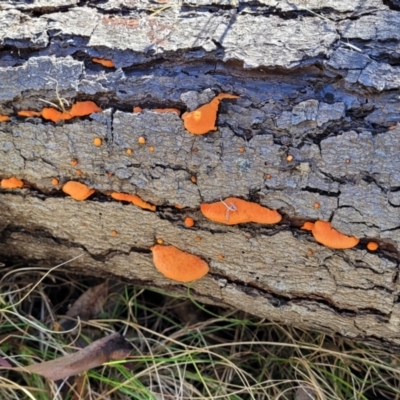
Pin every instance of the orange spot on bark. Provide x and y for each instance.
(317, 205)
(137, 109)
(198, 238)
(79, 109)
(11, 183)
(134, 199)
(234, 211)
(97, 142)
(104, 62)
(151, 149)
(54, 181)
(129, 151)
(178, 265)
(330, 237)
(141, 140)
(308, 226)
(241, 149)
(309, 252)
(220, 257)
(160, 241)
(202, 120)
(268, 176)
(179, 207)
(74, 162)
(79, 172)
(114, 233)
(4, 118)
(78, 191)
(193, 179)
(29, 113)
(110, 174)
(189, 222)
(372, 246)
(289, 158)
(167, 110)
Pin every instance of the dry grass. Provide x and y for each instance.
(182, 350)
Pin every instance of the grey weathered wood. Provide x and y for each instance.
(323, 88)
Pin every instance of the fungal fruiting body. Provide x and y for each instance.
(104, 62)
(54, 181)
(134, 199)
(29, 113)
(202, 120)
(177, 264)
(79, 109)
(11, 183)
(137, 109)
(372, 246)
(78, 191)
(97, 142)
(4, 118)
(232, 211)
(189, 222)
(330, 237)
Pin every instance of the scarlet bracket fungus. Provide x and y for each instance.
(178, 265)
(4, 118)
(330, 237)
(189, 222)
(78, 191)
(79, 109)
(11, 183)
(54, 181)
(29, 113)
(167, 110)
(232, 211)
(372, 246)
(97, 142)
(134, 199)
(104, 62)
(203, 119)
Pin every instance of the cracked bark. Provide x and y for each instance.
(325, 90)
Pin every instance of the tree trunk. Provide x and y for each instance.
(311, 135)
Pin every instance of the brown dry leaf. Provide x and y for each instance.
(87, 306)
(109, 348)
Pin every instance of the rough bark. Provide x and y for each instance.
(322, 87)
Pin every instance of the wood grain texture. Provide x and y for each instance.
(322, 89)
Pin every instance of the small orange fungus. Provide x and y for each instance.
(11, 183)
(54, 181)
(160, 241)
(330, 237)
(74, 162)
(177, 264)
(220, 257)
(79, 109)
(167, 110)
(202, 120)
(141, 140)
(232, 211)
(347, 161)
(372, 246)
(193, 179)
(134, 199)
(189, 222)
(114, 233)
(77, 190)
(128, 151)
(317, 205)
(29, 113)
(179, 207)
(97, 142)
(309, 252)
(151, 149)
(289, 158)
(4, 118)
(137, 109)
(79, 172)
(198, 239)
(110, 174)
(268, 176)
(104, 62)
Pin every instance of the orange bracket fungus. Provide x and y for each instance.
(97, 142)
(104, 62)
(232, 211)
(11, 183)
(4, 118)
(202, 120)
(330, 237)
(372, 246)
(134, 199)
(79, 109)
(189, 222)
(77, 190)
(177, 264)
